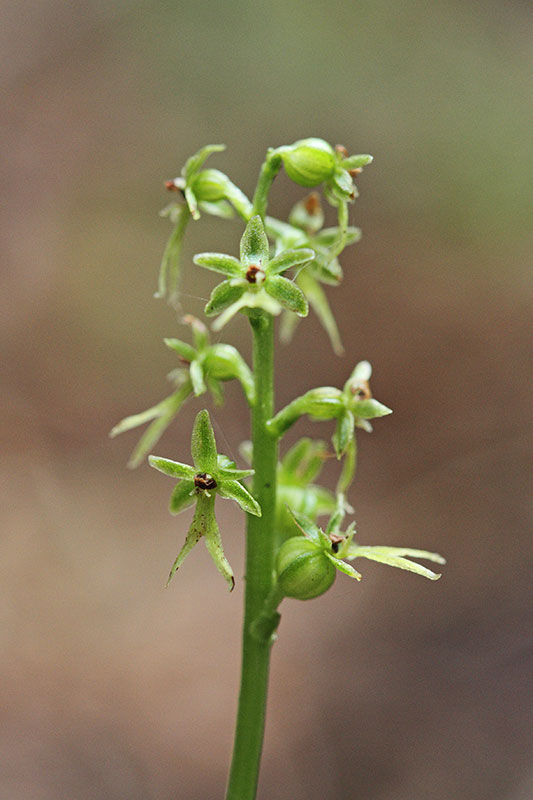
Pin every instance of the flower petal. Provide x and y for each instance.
(203, 444)
(290, 258)
(287, 294)
(395, 557)
(182, 497)
(175, 469)
(219, 262)
(223, 296)
(343, 567)
(254, 243)
(233, 490)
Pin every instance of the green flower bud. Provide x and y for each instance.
(309, 162)
(304, 570)
(210, 186)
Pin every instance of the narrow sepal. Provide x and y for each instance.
(193, 164)
(182, 497)
(233, 490)
(197, 378)
(309, 528)
(344, 432)
(196, 531)
(203, 444)
(232, 474)
(213, 542)
(134, 420)
(328, 236)
(254, 243)
(356, 162)
(217, 208)
(223, 296)
(169, 271)
(166, 411)
(219, 262)
(361, 372)
(186, 351)
(192, 202)
(290, 258)
(175, 469)
(370, 409)
(287, 294)
(343, 567)
(396, 557)
(319, 303)
(343, 182)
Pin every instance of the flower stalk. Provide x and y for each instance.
(279, 271)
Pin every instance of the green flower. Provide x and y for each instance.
(205, 190)
(211, 474)
(307, 567)
(307, 215)
(204, 367)
(352, 407)
(254, 280)
(310, 162)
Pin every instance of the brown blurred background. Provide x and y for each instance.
(394, 689)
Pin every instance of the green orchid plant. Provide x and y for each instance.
(281, 270)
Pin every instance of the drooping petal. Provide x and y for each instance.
(213, 542)
(319, 303)
(182, 497)
(203, 444)
(169, 271)
(234, 490)
(396, 557)
(343, 567)
(166, 411)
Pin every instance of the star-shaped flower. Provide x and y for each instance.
(212, 474)
(352, 407)
(254, 280)
(203, 368)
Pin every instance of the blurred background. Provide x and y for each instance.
(393, 689)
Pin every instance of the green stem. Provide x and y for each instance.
(269, 170)
(259, 573)
(342, 222)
